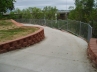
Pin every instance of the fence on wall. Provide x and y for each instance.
(78, 28)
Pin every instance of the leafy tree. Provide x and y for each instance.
(37, 13)
(71, 8)
(6, 5)
(12, 15)
(86, 11)
(17, 13)
(83, 10)
(49, 12)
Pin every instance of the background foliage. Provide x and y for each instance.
(48, 12)
(6, 5)
(85, 11)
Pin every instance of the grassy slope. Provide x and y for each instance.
(9, 31)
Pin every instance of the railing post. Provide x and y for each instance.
(89, 32)
(58, 24)
(67, 24)
(45, 22)
(80, 29)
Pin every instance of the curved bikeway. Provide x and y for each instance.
(58, 52)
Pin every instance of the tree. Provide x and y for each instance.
(83, 10)
(17, 13)
(86, 11)
(6, 5)
(49, 12)
(37, 13)
(71, 8)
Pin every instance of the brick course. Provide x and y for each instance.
(92, 50)
(23, 41)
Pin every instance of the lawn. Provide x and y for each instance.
(9, 31)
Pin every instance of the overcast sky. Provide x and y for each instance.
(60, 4)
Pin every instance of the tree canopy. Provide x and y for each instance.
(48, 12)
(85, 11)
(6, 5)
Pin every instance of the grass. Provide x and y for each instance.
(10, 31)
(6, 24)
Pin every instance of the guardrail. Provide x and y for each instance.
(78, 28)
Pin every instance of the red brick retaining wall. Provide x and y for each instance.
(23, 41)
(92, 50)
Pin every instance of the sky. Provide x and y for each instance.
(60, 4)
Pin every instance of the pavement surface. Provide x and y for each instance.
(58, 52)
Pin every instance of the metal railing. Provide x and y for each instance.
(78, 28)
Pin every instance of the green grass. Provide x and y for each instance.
(5, 23)
(9, 32)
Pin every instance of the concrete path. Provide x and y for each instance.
(58, 52)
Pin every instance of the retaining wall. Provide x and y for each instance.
(23, 41)
(92, 50)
